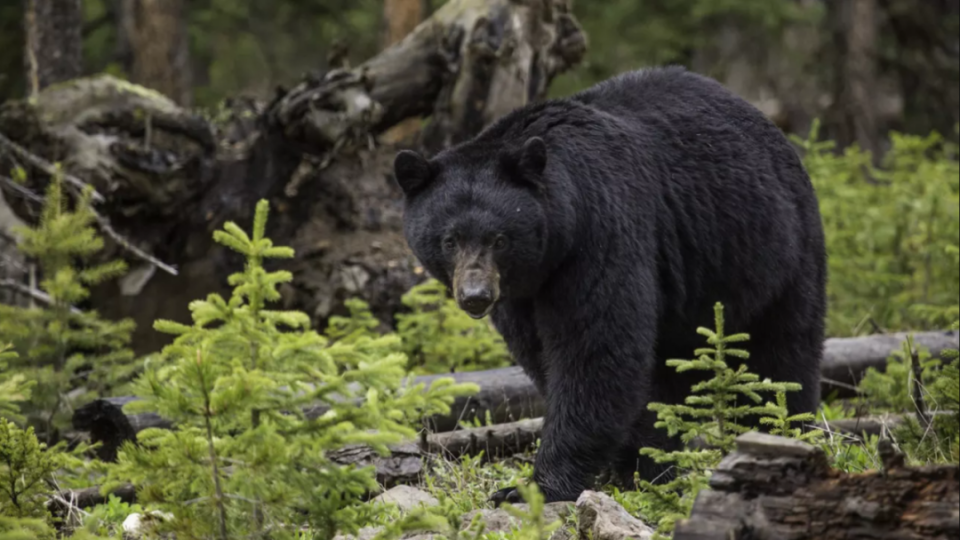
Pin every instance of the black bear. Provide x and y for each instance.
(599, 230)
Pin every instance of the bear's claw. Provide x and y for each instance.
(505, 495)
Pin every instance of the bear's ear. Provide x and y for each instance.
(528, 163)
(412, 170)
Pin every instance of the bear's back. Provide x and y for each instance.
(675, 100)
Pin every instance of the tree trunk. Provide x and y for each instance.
(169, 178)
(925, 58)
(773, 487)
(156, 31)
(855, 76)
(400, 17)
(54, 47)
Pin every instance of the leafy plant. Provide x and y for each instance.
(927, 392)
(891, 232)
(244, 458)
(107, 518)
(467, 483)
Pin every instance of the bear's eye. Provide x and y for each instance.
(500, 242)
(449, 243)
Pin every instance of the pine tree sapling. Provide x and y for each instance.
(712, 410)
(13, 387)
(62, 348)
(244, 459)
(24, 467)
(28, 469)
(12, 528)
(439, 337)
(712, 413)
(360, 324)
(783, 424)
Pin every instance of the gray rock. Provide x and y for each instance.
(498, 520)
(762, 444)
(602, 518)
(368, 533)
(406, 498)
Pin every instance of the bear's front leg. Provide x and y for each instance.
(597, 381)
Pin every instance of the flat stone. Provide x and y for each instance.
(498, 520)
(756, 443)
(602, 518)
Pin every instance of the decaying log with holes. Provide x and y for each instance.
(168, 177)
(773, 487)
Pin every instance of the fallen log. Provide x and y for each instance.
(507, 395)
(405, 464)
(773, 487)
(168, 177)
(63, 501)
(879, 425)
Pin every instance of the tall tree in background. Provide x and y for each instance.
(159, 54)
(926, 61)
(855, 77)
(54, 43)
(400, 17)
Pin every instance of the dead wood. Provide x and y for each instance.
(507, 395)
(405, 464)
(169, 177)
(773, 487)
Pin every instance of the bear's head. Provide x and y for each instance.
(476, 218)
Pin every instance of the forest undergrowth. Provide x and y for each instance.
(245, 462)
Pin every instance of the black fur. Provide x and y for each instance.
(659, 194)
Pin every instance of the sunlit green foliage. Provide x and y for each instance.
(14, 387)
(244, 458)
(58, 344)
(931, 433)
(891, 233)
(28, 470)
(439, 337)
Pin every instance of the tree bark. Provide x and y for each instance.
(773, 487)
(855, 75)
(401, 17)
(170, 178)
(54, 47)
(156, 33)
(925, 57)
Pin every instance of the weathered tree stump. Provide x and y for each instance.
(776, 488)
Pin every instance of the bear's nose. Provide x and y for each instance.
(475, 300)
